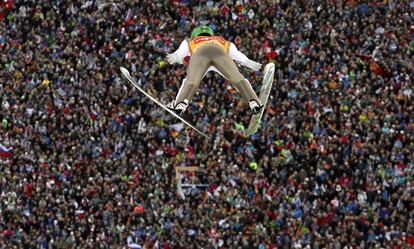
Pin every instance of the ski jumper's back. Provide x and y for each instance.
(199, 41)
(212, 52)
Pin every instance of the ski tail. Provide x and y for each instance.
(268, 78)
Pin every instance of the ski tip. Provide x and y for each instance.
(124, 71)
(269, 65)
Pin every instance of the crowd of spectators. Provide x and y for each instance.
(88, 162)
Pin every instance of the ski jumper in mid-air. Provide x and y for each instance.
(212, 53)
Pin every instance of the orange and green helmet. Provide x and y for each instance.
(202, 30)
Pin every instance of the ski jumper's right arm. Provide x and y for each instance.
(241, 58)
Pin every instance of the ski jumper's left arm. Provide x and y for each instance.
(179, 54)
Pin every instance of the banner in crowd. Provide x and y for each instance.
(5, 152)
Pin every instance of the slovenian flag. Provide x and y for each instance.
(5, 152)
(2, 41)
(129, 18)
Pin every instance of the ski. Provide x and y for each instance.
(126, 74)
(267, 83)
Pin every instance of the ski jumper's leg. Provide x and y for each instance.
(200, 61)
(225, 64)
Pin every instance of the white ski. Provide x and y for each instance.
(269, 72)
(126, 74)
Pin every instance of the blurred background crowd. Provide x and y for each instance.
(88, 162)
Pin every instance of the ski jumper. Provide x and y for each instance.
(212, 53)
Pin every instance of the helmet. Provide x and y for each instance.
(202, 30)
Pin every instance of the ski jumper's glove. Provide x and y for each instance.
(174, 58)
(252, 65)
